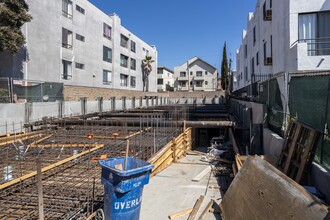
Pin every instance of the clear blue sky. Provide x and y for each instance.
(182, 29)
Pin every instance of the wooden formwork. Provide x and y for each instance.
(171, 152)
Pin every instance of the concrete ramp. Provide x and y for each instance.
(260, 191)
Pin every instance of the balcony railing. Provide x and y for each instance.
(66, 14)
(317, 46)
(67, 46)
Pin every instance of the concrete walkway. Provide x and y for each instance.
(173, 190)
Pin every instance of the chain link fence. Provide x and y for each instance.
(17, 90)
(308, 102)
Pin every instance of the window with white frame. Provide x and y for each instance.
(199, 83)
(66, 38)
(80, 66)
(133, 46)
(182, 83)
(67, 8)
(123, 60)
(107, 54)
(123, 80)
(66, 70)
(123, 41)
(80, 37)
(106, 31)
(106, 77)
(80, 9)
(160, 81)
(183, 74)
(199, 73)
(133, 81)
(133, 64)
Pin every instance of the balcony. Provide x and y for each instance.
(312, 54)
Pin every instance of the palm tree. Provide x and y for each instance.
(146, 69)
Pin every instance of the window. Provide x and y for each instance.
(206, 82)
(271, 45)
(206, 73)
(199, 83)
(265, 50)
(123, 79)
(66, 69)
(107, 54)
(123, 41)
(313, 29)
(66, 38)
(80, 9)
(133, 45)
(106, 31)
(80, 66)
(182, 83)
(183, 74)
(160, 71)
(199, 73)
(252, 66)
(133, 64)
(160, 82)
(80, 37)
(106, 77)
(245, 51)
(133, 81)
(67, 8)
(191, 73)
(270, 3)
(246, 73)
(254, 36)
(257, 58)
(123, 60)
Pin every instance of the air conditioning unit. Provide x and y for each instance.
(268, 15)
(268, 61)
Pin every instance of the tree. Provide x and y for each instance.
(13, 14)
(224, 69)
(146, 69)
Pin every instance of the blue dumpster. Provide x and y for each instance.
(123, 188)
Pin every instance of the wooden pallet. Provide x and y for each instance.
(298, 151)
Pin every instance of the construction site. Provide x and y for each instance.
(51, 168)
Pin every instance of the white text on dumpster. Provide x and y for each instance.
(128, 204)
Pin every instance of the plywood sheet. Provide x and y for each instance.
(260, 191)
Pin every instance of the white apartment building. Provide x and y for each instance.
(75, 43)
(283, 36)
(195, 75)
(165, 79)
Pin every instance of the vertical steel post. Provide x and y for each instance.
(40, 192)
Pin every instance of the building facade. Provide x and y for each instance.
(165, 79)
(75, 43)
(195, 75)
(281, 37)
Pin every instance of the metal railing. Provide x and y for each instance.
(317, 46)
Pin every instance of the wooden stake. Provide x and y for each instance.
(40, 192)
(196, 207)
(179, 214)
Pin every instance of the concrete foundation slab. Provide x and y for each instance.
(173, 190)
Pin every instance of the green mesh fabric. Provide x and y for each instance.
(308, 102)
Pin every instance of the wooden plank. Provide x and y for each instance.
(233, 141)
(19, 139)
(162, 166)
(64, 145)
(234, 169)
(202, 174)
(304, 157)
(196, 208)
(179, 214)
(292, 148)
(206, 210)
(137, 133)
(32, 174)
(212, 157)
(268, 194)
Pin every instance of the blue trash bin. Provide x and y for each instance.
(123, 188)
